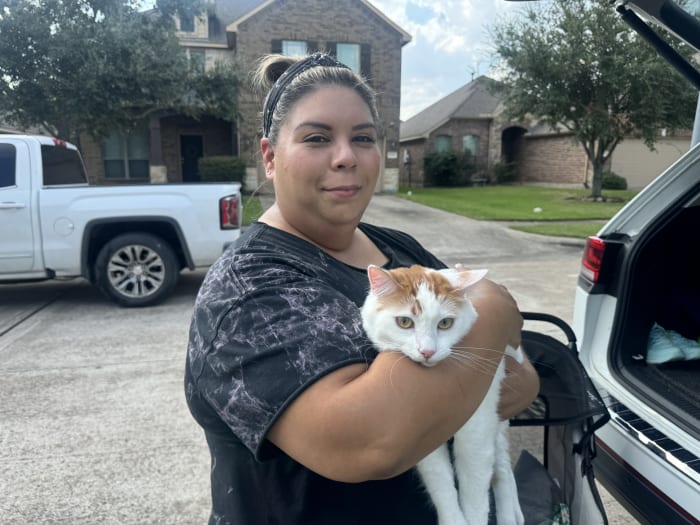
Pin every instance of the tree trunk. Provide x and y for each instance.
(597, 182)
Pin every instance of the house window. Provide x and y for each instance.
(443, 143)
(187, 24)
(7, 165)
(470, 143)
(126, 156)
(197, 60)
(292, 48)
(349, 54)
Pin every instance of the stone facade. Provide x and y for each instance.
(322, 23)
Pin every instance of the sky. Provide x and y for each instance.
(450, 45)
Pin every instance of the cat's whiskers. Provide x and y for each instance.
(391, 370)
(482, 348)
(479, 363)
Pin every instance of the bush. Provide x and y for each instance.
(613, 181)
(222, 169)
(446, 169)
(504, 172)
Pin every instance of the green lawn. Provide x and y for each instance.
(547, 211)
(563, 212)
(252, 209)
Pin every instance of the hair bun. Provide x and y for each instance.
(276, 68)
(269, 69)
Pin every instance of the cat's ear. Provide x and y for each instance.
(380, 281)
(469, 277)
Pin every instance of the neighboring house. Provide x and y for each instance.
(467, 119)
(471, 118)
(167, 148)
(556, 157)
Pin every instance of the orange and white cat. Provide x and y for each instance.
(425, 313)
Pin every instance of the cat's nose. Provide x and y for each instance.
(427, 353)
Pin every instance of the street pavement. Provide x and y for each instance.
(93, 423)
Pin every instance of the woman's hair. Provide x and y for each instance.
(303, 75)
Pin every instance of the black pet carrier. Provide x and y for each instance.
(556, 484)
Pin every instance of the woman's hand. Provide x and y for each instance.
(521, 384)
(497, 308)
(519, 388)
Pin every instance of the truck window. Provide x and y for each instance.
(7, 165)
(62, 166)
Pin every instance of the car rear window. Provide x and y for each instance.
(62, 166)
(7, 165)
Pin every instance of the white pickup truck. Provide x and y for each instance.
(131, 241)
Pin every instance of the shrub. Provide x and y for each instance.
(222, 169)
(613, 181)
(446, 169)
(504, 172)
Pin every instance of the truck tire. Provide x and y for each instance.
(136, 269)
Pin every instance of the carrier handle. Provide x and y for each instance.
(568, 331)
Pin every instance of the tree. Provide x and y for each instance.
(98, 66)
(577, 65)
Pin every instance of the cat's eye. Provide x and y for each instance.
(404, 322)
(445, 323)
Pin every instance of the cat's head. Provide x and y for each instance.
(419, 311)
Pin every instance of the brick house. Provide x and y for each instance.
(471, 118)
(468, 119)
(166, 149)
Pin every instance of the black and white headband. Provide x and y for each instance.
(315, 60)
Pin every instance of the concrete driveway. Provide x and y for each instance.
(93, 422)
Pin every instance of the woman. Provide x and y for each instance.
(305, 422)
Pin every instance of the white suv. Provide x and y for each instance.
(637, 320)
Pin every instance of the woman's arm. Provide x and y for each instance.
(360, 423)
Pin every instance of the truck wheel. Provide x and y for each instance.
(136, 269)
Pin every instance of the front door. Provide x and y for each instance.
(191, 150)
(16, 229)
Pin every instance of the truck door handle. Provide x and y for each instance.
(12, 205)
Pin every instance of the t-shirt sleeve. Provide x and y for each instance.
(268, 346)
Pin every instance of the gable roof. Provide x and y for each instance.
(471, 101)
(234, 12)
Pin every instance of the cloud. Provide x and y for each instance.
(450, 45)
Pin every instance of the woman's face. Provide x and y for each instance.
(325, 164)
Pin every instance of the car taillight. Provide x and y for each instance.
(592, 258)
(228, 212)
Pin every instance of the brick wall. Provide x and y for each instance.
(456, 129)
(322, 22)
(216, 140)
(412, 175)
(92, 158)
(552, 158)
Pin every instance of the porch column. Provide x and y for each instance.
(158, 172)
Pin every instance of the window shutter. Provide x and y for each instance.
(276, 46)
(365, 63)
(332, 48)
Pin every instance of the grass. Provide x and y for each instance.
(547, 211)
(580, 230)
(252, 209)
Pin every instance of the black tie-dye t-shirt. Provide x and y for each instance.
(274, 314)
